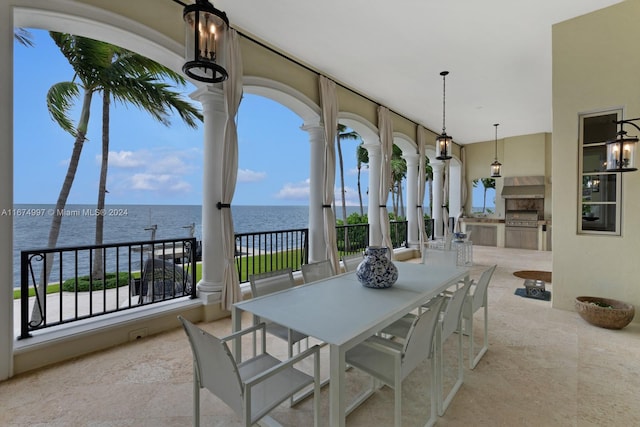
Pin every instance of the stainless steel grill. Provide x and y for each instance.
(528, 219)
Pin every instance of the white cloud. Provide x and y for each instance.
(294, 191)
(158, 182)
(247, 175)
(123, 159)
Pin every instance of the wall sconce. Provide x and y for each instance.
(443, 141)
(496, 165)
(204, 25)
(621, 152)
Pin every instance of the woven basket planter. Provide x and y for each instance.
(604, 312)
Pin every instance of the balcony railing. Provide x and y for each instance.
(69, 286)
(140, 273)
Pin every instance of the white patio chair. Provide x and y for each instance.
(267, 283)
(252, 388)
(351, 262)
(315, 271)
(477, 299)
(391, 362)
(449, 322)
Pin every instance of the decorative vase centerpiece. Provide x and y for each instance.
(376, 269)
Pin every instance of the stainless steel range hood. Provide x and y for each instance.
(523, 187)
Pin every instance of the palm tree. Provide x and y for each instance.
(343, 134)
(135, 79)
(362, 157)
(398, 173)
(487, 183)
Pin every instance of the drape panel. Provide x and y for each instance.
(233, 95)
(463, 189)
(329, 104)
(422, 184)
(385, 128)
(445, 199)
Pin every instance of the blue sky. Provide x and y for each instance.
(148, 162)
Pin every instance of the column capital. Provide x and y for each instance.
(411, 158)
(210, 97)
(437, 166)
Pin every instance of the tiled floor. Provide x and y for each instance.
(544, 367)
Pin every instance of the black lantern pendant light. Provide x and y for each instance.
(621, 152)
(204, 26)
(496, 165)
(443, 141)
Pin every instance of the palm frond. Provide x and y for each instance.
(59, 101)
(23, 37)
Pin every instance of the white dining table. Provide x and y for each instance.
(342, 313)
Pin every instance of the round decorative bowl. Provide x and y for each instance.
(605, 312)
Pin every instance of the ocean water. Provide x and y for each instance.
(129, 223)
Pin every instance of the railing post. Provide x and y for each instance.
(24, 296)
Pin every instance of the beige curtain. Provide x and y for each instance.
(329, 104)
(385, 128)
(463, 189)
(233, 95)
(445, 199)
(422, 184)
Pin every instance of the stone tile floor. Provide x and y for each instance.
(544, 367)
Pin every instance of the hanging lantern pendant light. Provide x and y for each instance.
(443, 141)
(621, 152)
(204, 25)
(496, 165)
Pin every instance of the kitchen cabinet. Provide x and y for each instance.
(521, 237)
(483, 235)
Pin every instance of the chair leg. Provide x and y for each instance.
(444, 404)
(475, 358)
(398, 405)
(196, 400)
(433, 414)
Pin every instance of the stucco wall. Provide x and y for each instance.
(595, 67)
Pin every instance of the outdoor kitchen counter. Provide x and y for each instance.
(483, 220)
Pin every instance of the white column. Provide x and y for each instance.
(317, 249)
(373, 210)
(438, 182)
(6, 190)
(213, 110)
(412, 199)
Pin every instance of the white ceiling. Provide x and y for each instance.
(498, 53)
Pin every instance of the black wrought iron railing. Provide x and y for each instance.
(64, 285)
(74, 283)
(264, 251)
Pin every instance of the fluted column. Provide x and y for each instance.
(373, 210)
(317, 249)
(412, 199)
(438, 183)
(213, 110)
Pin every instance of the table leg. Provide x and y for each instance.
(236, 325)
(337, 406)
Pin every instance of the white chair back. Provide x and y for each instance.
(351, 262)
(215, 367)
(272, 281)
(316, 271)
(453, 311)
(480, 291)
(419, 343)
